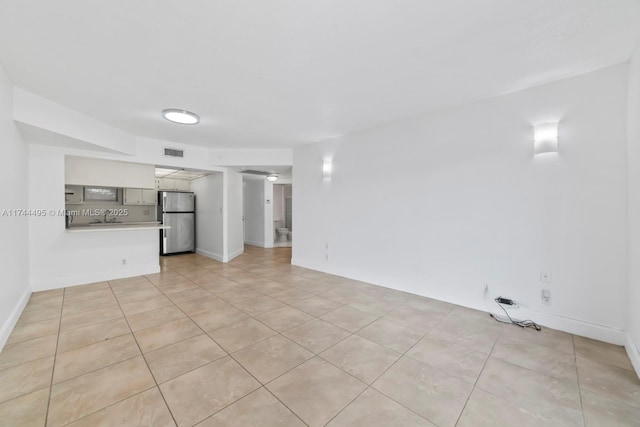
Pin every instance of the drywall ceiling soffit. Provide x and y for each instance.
(66, 124)
(39, 136)
(282, 73)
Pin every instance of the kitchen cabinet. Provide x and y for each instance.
(139, 196)
(183, 185)
(108, 173)
(170, 184)
(149, 197)
(73, 194)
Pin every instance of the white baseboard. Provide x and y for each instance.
(252, 243)
(10, 323)
(634, 354)
(317, 265)
(566, 324)
(209, 254)
(219, 257)
(235, 254)
(98, 276)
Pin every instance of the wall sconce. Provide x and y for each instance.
(545, 138)
(326, 169)
(272, 178)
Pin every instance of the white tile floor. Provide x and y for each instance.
(260, 342)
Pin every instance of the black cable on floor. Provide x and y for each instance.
(521, 323)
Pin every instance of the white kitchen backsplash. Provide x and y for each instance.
(89, 212)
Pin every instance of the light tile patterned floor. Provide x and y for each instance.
(260, 342)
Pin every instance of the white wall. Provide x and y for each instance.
(441, 204)
(209, 192)
(254, 211)
(59, 258)
(14, 290)
(633, 174)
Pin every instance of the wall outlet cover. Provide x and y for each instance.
(545, 277)
(545, 296)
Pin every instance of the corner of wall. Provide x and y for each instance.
(633, 353)
(633, 209)
(234, 254)
(10, 323)
(15, 290)
(209, 254)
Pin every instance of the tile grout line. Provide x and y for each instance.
(55, 358)
(263, 385)
(206, 364)
(473, 388)
(315, 354)
(10, 343)
(351, 334)
(232, 358)
(143, 358)
(575, 358)
(370, 385)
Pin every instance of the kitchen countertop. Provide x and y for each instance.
(122, 226)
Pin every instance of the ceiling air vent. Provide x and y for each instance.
(172, 152)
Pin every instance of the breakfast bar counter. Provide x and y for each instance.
(122, 226)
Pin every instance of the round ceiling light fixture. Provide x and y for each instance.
(272, 178)
(182, 117)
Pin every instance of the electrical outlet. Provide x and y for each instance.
(545, 296)
(145, 212)
(124, 262)
(326, 251)
(545, 277)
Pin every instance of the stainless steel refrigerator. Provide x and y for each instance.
(177, 210)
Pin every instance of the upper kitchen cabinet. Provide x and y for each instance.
(108, 173)
(140, 196)
(73, 194)
(170, 184)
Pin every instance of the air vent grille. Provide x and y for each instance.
(172, 152)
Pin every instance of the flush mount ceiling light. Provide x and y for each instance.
(182, 117)
(545, 138)
(272, 177)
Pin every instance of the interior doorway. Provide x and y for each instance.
(283, 215)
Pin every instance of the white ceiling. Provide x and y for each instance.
(279, 73)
